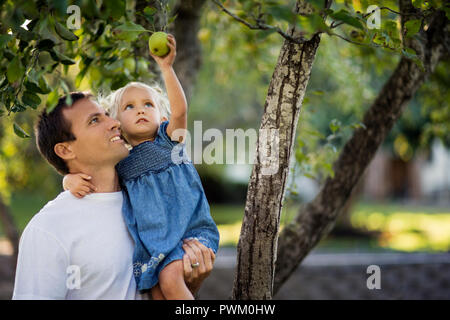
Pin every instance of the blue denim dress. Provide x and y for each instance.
(164, 203)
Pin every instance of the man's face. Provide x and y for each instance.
(97, 135)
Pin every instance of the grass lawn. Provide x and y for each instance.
(403, 228)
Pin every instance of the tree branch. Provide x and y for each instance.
(259, 25)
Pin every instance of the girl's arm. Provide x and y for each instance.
(178, 104)
(78, 184)
(175, 93)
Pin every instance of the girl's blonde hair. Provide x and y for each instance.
(111, 102)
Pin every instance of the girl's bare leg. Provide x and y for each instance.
(157, 293)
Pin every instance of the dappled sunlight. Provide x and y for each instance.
(403, 229)
(229, 234)
(407, 231)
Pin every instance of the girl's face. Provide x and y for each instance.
(138, 115)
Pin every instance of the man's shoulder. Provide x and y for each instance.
(53, 211)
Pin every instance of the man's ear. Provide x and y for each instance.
(64, 151)
(164, 119)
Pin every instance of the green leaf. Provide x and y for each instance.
(43, 85)
(347, 18)
(65, 33)
(31, 86)
(411, 54)
(19, 131)
(261, 34)
(172, 19)
(15, 70)
(61, 57)
(357, 125)
(130, 27)
(25, 35)
(129, 31)
(31, 99)
(282, 12)
(4, 39)
(447, 12)
(45, 44)
(412, 27)
(328, 167)
(52, 100)
(335, 125)
(150, 11)
(115, 8)
(417, 3)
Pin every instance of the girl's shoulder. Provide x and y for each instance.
(163, 136)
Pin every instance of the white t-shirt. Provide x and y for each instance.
(77, 249)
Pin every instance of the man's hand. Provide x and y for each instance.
(196, 253)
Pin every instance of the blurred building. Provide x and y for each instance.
(425, 179)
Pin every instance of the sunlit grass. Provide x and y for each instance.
(402, 228)
(407, 231)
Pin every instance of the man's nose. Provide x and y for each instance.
(115, 124)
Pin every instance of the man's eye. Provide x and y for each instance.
(94, 120)
(149, 105)
(129, 106)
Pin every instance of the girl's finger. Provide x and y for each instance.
(91, 186)
(85, 189)
(85, 176)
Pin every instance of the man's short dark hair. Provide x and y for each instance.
(52, 128)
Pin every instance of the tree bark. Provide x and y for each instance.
(258, 239)
(317, 218)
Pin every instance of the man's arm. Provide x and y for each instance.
(41, 267)
(197, 253)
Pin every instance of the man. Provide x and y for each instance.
(80, 248)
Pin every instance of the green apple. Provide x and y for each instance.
(142, 67)
(158, 44)
(129, 64)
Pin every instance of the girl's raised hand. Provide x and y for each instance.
(167, 60)
(78, 184)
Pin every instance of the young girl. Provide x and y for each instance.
(164, 202)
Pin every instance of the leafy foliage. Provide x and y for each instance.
(42, 56)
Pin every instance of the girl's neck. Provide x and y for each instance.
(137, 142)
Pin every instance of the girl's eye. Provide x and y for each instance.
(149, 105)
(129, 106)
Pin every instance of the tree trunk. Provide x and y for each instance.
(9, 228)
(258, 239)
(185, 30)
(317, 218)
